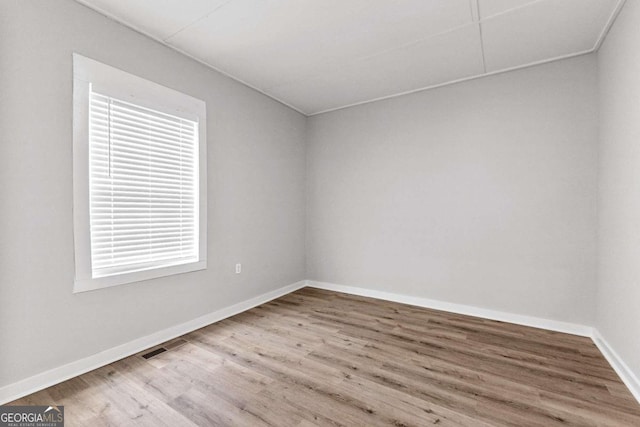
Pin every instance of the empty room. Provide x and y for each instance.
(319, 213)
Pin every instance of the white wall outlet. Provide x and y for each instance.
(238, 268)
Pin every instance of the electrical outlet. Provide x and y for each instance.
(238, 268)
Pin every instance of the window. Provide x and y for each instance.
(139, 178)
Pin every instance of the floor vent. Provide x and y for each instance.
(155, 352)
(168, 346)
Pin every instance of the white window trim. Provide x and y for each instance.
(127, 87)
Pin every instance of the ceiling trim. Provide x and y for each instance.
(188, 55)
(609, 24)
(464, 79)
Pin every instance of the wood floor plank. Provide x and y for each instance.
(322, 358)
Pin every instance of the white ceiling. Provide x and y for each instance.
(320, 55)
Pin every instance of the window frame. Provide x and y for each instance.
(119, 84)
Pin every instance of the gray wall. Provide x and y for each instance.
(618, 312)
(481, 193)
(256, 161)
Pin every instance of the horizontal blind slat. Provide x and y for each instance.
(149, 184)
(106, 143)
(123, 186)
(118, 141)
(149, 166)
(116, 169)
(170, 239)
(102, 114)
(119, 104)
(102, 152)
(151, 248)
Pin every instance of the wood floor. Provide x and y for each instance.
(324, 358)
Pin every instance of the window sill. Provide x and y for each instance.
(91, 284)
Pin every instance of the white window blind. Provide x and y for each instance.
(143, 170)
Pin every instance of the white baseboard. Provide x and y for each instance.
(624, 372)
(54, 376)
(536, 322)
